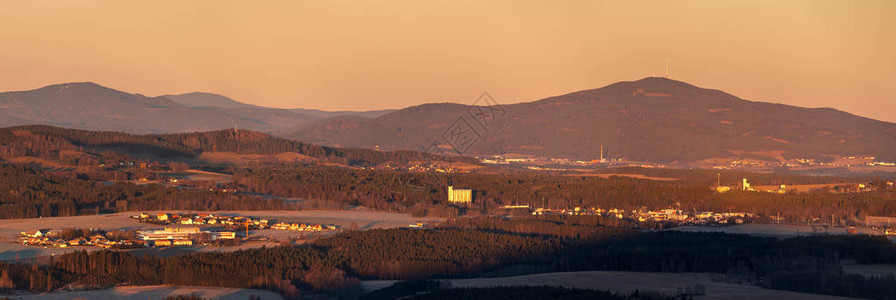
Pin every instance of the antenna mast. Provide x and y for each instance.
(667, 67)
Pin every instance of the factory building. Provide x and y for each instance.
(459, 195)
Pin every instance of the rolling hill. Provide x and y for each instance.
(649, 120)
(277, 120)
(652, 119)
(89, 106)
(82, 147)
(199, 99)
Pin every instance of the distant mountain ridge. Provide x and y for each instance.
(200, 99)
(89, 106)
(651, 120)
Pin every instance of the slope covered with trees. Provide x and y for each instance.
(30, 193)
(653, 119)
(81, 147)
(338, 262)
(337, 187)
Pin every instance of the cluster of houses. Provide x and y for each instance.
(201, 219)
(170, 236)
(839, 162)
(302, 227)
(665, 215)
(186, 236)
(232, 222)
(425, 168)
(52, 238)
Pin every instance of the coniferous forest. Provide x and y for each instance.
(71, 172)
(808, 264)
(34, 192)
(398, 190)
(30, 192)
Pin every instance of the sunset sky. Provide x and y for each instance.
(361, 55)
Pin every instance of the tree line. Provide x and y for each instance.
(417, 192)
(29, 193)
(340, 261)
(82, 147)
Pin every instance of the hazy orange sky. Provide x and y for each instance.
(360, 55)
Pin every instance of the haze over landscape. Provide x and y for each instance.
(346, 55)
(630, 150)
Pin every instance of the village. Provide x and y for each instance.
(676, 218)
(64, 238)
(230, 222)
(666, 215)
(201, 228)
(181, 229)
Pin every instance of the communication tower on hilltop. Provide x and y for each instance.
(667, 67)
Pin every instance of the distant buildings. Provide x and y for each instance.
(169, 233)
(176, 236)
(301, 227)
(461, 196)
(746, 185)
(880, 222)
(53, 238)
(223, 235)
(676, 216)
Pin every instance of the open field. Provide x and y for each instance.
(230, 158)
(457, 165)
(879, 270)
(155, 292)
(801, 188)
(10, 229)
(199, 175)
(626, 282)
(636, 176)
(776, 230)
(341, 218)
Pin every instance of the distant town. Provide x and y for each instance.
(560, 164)
(181, 229)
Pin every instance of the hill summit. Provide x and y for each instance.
(651, 120)
(90, 106)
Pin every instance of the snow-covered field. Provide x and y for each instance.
(155, 292)
(626, 282)
(775, 230)
(10, 229)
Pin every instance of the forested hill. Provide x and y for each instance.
(653, 119)
(71, 145)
